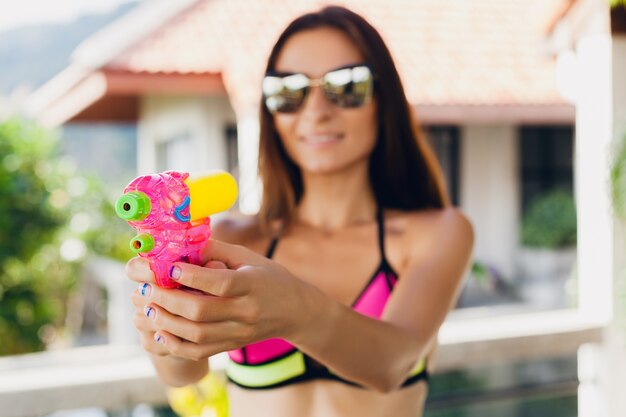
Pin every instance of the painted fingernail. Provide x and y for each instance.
(159, 338)
(150, 312)
(144, 289)
(175, 272)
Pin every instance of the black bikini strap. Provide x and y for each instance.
(381, 238)
(381, 234)
(272, 248)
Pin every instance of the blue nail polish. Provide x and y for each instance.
(159, 338)
(150, 313)
(175, 272)
(145, 289)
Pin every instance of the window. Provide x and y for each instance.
(232, 150)
(546, 156)
(547, 251)
(445, 142)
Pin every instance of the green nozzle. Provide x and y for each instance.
(133, 206)
(142, 243)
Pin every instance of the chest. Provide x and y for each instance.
(342, 264)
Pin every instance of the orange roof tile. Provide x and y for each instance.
(448, 52)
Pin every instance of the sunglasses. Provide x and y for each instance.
(346, 87)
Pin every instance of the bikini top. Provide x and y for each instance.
(275, 362)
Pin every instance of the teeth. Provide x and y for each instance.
(321, 138)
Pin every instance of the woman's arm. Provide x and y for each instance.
(178, 372)
(256, 299)
(380, 354)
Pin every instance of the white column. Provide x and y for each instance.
(489, 192)
(619, 84)
(616, 345)
(601, 367)
(593, 377)
(146, 148)
(248, 149)
(592, 156)
(209, 133)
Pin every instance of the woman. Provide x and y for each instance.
(350, 187)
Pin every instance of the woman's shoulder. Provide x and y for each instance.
(419, 236)
(237, 228)
(430, 223)
(242, 229)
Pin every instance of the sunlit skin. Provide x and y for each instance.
(323, 260)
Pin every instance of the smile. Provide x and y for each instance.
(321, 139)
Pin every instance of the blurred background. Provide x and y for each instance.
(524, 103)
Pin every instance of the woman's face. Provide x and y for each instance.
(320, 137)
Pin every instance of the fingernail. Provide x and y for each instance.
(175, 272)
(145, 289)
(159, 338)
(150, 312)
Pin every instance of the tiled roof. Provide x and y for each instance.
(448, 52)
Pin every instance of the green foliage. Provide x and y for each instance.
(95, 223)
(618, 179)
(618, 192)
(616, 3)
(550, 221)
(480, 272)
(33, 276)
(28, 218)
(50, 220)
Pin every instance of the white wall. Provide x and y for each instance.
(616, 361)
(203, 118)
(594, 131)
(599, 392)
(490, 192)
(598, 90)
(250, 187)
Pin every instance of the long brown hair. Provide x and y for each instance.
(403, 171)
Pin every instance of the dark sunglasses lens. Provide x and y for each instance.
(349, 87)
(284, 94)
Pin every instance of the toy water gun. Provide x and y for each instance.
(170, 212)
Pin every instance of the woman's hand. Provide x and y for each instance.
(138, 269)
(238, 298)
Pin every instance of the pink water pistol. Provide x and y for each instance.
(170, 212)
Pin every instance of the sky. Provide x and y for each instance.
(16, 13)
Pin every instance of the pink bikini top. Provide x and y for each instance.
(275, 362)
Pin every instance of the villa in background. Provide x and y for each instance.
(521, 100)
(480, 75)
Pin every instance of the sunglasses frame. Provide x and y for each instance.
(319, 82)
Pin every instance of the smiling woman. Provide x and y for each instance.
(330, 299)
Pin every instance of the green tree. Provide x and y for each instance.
(618, 178)
(618, 194)
(550, 221)
(50, 219)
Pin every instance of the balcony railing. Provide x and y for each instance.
(113, 377)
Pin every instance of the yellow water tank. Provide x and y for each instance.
(210, 193)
